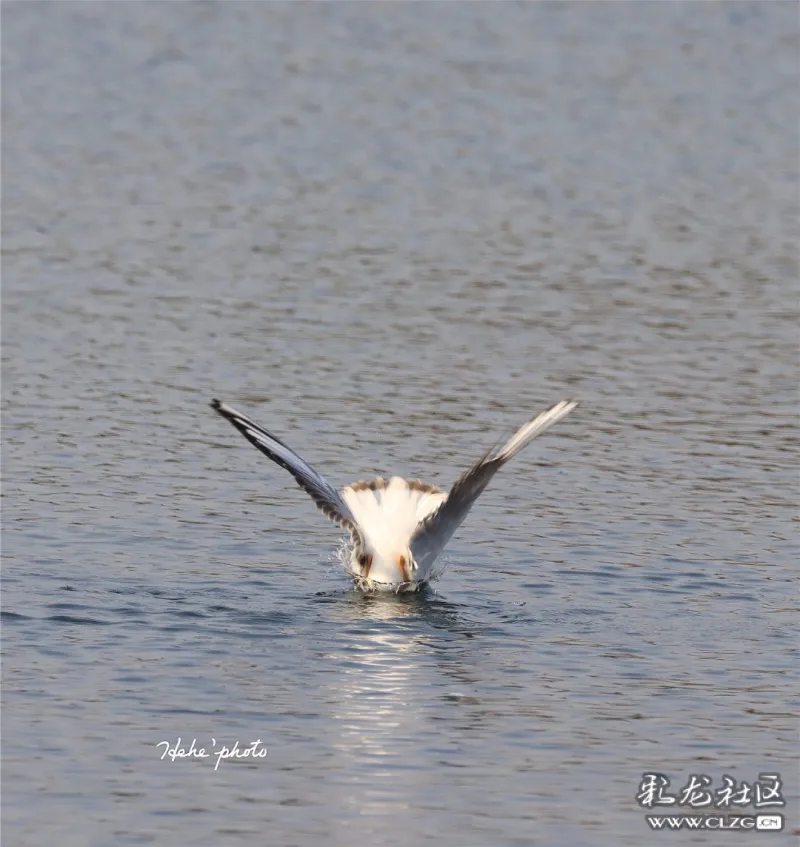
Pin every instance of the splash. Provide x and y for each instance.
(340, 561)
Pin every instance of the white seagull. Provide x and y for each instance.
(398, 526)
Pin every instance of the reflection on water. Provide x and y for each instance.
(394, 649)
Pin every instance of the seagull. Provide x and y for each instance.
(398, 527)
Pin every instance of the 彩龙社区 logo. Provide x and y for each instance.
(722, 805)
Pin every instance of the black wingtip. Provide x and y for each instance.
(215, 404)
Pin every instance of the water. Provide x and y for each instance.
(391, 233)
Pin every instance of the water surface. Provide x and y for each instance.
(392, 233)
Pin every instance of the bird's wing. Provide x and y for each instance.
(326, 497)
(436, 529)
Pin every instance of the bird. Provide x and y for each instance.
(398, 527)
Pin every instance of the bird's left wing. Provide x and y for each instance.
(327, 498)
(436, 529)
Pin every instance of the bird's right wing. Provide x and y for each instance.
(436, 529)
(327, 498)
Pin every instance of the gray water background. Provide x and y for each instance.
(391, 233)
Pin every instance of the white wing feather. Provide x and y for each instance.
(436, 530)
(327, 498)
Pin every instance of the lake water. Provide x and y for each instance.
(392, 233)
